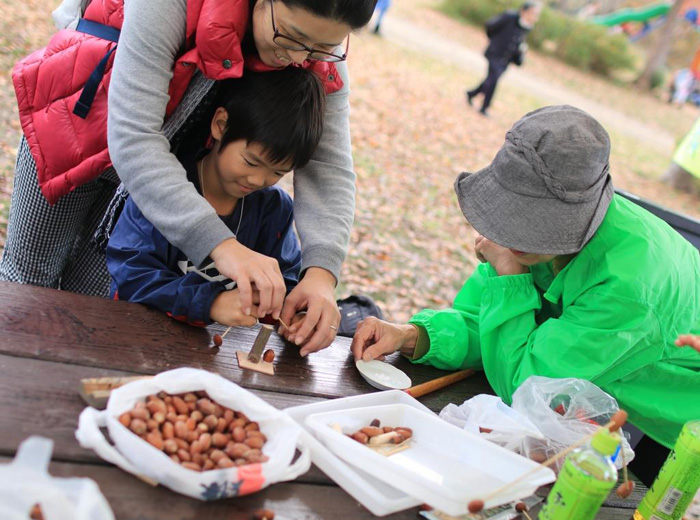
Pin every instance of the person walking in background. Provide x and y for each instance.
(684, 170)
(379, 11)
(506, 33)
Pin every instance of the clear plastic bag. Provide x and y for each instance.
(26, 482)
(564, 411)
(494, 420)
(136, 456)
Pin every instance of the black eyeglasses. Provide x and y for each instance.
(294, 45)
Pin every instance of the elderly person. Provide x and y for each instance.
(575, 281)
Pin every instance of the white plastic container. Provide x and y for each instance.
(378, 497)
(445, 467)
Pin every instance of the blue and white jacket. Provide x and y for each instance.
(146, 269)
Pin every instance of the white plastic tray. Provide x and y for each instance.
(445, 467)
(378, 497)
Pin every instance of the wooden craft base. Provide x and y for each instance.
(262, 366)
(95, 391)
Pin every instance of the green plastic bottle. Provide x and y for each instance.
(584, 481)
(677, 482)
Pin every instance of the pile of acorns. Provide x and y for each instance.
(196, 432)
(376, 435)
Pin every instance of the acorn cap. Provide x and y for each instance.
(605, 443)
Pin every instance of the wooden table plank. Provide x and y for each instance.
(49, 340)
(58, 326)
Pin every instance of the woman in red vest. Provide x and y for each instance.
(169, 56)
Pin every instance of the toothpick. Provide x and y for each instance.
(549, 461)
(224, 334)
(283, 323)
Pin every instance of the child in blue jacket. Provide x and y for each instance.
(267, 125)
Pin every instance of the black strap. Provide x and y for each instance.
(87, 96)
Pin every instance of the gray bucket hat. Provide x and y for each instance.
(548, 188)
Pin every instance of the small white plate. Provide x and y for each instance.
(383, 375)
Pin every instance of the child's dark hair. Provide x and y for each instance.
(282, 110)
(355, 13)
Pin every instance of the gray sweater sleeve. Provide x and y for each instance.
(152, 36)
(324, 189)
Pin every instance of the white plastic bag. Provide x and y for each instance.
(564, 411)
(136, 456)
(494, 420)
(26, 482)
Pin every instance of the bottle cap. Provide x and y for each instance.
(605, 443)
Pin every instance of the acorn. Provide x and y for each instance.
(619, 419)
(475, 506)
(625, 489)
(521, 507)
(269, 356)
(218, 340)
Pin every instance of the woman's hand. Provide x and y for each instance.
(227, 310)
(500, 258)
(248, 268)
(688, 340)
(314, 294)
(375, 339)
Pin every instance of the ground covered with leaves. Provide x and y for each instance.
(412, 134)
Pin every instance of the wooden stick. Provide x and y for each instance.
(552, 460)
(226, 332)
(437, 384)
(283, 323)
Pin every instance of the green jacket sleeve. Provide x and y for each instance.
(454, 333)
(600, 337)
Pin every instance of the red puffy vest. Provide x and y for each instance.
(69, 150)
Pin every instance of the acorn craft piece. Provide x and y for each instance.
(385, 440)
(618, 420)
(196, 432)
(521, 507)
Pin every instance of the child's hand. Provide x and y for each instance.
(227, 310)
(688, 340)
(375, 338)
(314, 294)
(248, 268)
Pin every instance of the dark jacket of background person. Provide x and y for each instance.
(505, 34)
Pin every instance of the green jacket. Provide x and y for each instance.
(610, 316)
(687, 156)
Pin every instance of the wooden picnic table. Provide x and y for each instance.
(50, 340)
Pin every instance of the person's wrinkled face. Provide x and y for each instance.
(316, 32)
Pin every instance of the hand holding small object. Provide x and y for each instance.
(314, 294)
(375, 338)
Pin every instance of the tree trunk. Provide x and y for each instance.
(659, 54)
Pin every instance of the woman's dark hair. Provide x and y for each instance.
(282, 110)
(355, 13)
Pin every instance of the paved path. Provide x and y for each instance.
(410, 36)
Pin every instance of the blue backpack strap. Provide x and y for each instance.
(87, 96)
